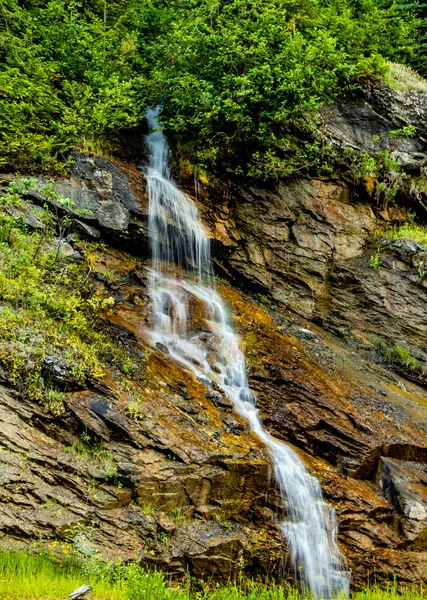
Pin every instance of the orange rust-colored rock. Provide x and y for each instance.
(181, 489)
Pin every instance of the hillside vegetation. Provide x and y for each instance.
(240, 80)
(52, 334)
(31, 577)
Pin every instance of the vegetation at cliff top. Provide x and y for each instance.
(37, 576)
(403, 79)
(51, 334)
(240, 80)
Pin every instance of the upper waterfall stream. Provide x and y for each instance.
(181, 280)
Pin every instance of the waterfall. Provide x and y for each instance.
(182, 286)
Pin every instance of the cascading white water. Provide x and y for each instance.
(181, 277)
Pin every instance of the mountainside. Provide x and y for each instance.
(331, 312)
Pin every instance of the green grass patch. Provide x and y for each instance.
(388, 592)
(402, 356)
(37, 576)
(95, 454)
(25, 577)
(395, 355)
(404, 79)
(407, 231)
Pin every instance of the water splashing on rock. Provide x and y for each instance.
(189, 319)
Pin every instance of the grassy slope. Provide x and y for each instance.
(50, 307)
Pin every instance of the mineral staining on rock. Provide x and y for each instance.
(169, 463)
(182, 292)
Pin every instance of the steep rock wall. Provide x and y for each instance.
(193, 489)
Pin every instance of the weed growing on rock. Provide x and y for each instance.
(402, 356)
(135, 411)
(147, 509)
(396, 355)
(95, 455)
(52, 338)
(407, 231)
(375, 261)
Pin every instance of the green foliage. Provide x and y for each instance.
(147, 509)
(256, 71)
(406, 131)
(240, 80)
(26, 576)
(373, 30)
(415, 11)
(94, 454)
(63, 78)
(404, 79)
(49, 312)
(39, 576)
(381, 175)
(375, 261)
(396, 355)
(135, 410)
(402, 356)
(407, 231)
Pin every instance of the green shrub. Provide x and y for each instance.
(241, 82)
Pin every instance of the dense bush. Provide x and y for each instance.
(239, 78)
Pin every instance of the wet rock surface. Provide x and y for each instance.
(187, 488)
(357, 432)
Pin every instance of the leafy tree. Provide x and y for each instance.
(416, 12)
(240, 79)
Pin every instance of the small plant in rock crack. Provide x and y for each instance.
(134, 410)
(96, 455)
(54, 401)
(403, 357)
(375, 261)
(163, 538)
(147, 509)
(422, 270)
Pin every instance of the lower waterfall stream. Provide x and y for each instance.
(182, 279)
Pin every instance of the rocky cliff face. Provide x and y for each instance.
(306, 245)
(186, 486)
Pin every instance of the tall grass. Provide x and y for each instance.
(25, 576)
(404, 79)
(389, 592)
(37, 576)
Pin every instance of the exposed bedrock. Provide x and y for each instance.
(192, 489)
(307, 246)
